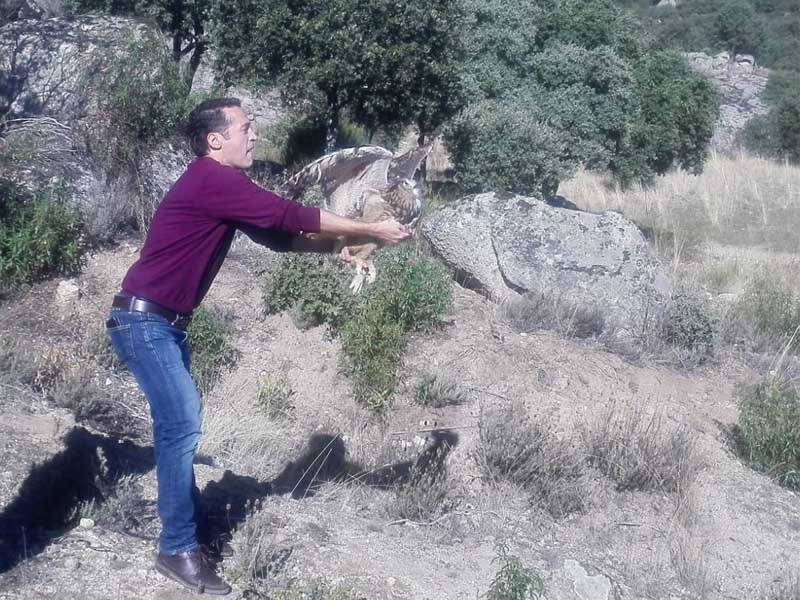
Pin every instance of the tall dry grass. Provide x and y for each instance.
(740, 201)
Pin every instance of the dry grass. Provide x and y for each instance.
(528, 453)
(555, 311)
(439, 390)
(744, 200)
(640, 451)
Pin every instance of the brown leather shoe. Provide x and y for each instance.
(192, 570)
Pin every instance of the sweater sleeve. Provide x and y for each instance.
(234, 197)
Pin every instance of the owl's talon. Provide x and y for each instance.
(357, 283)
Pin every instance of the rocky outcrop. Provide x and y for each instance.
(505, 246)
(47, 66)
(740, 83)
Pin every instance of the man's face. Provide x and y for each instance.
(234, 146)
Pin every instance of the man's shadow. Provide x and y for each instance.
(46, 502)
(225, 502)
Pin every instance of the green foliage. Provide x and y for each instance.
(315, 290)
(500, 145)
(301, 140)
(767, 313)
(142, 96)
(387, 63)
(412, 290)
(674, 123)
(563, 83)
(691, 325)
(738, 27)
(777, 134)
(769, 422)
(514, 581)
(373, 346)
(212, 352)
(410, 294)
(40, 235)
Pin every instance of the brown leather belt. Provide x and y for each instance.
(136, 304)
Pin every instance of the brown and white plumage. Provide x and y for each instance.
(369, 184)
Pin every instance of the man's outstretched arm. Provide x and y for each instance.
(387, 232)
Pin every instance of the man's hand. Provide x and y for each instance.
(389, 232)
(385, 232)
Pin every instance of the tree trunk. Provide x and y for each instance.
(332, 131)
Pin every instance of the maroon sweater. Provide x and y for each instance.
(194, 226)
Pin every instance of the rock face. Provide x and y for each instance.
(506, 246)
(740, 84)
(46, 65)
(47, 93)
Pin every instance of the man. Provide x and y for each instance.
(186, 244)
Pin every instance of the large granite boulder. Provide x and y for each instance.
(505, 246)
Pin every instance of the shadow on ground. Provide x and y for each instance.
(45, 505)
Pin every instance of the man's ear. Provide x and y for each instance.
(214, 140)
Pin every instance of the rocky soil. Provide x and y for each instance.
(734, 534)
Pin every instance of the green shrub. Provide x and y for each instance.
(411, 293)
(514, 581)
(691, 325)
(411, 289)
(40, 235)
(766, 314)
(212, 352)
(769, 428)
(315, 290)
(142, 96)
(372, 345)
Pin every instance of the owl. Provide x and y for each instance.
(369, 184)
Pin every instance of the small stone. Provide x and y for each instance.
(391, 581)
(87, 523)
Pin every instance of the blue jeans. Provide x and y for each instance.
(158, 356)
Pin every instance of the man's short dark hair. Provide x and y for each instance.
(206, 117)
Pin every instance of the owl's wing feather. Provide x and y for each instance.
(343, 176)
(405, 165)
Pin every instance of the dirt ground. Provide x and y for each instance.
(736, 534)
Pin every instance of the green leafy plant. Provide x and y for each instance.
(372, 346)
(766, 314)
(691, 325)
(411, 293)
(316, 291)
(769, 430)
(514, 581)
(40, 235)
(212, 352)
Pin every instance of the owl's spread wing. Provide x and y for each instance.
(343, 177)
(405, 165)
